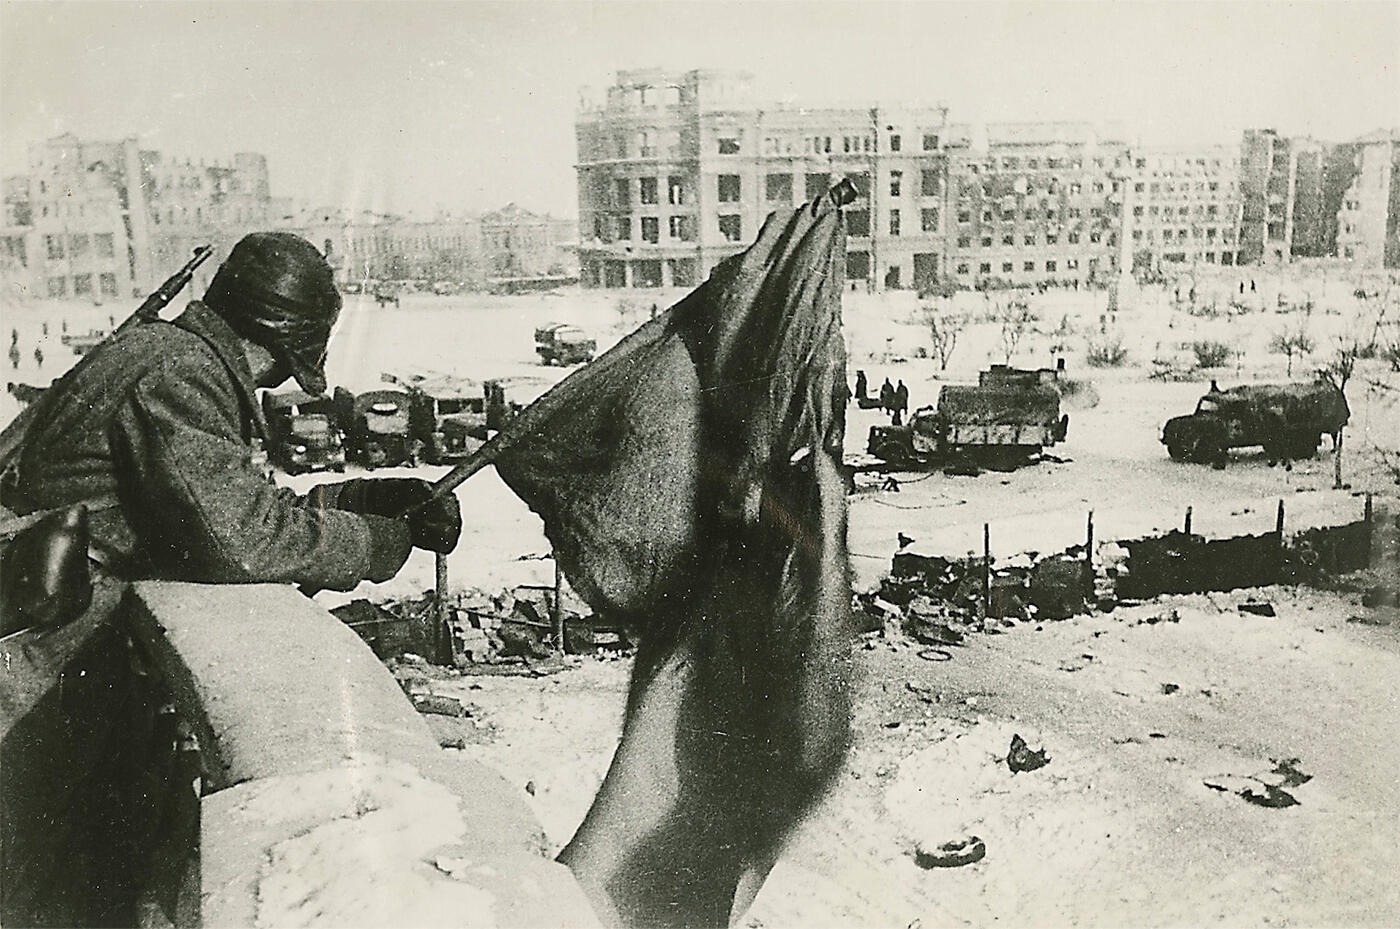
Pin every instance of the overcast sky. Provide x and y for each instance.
(410, 106)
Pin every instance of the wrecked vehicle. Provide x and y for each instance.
(1287, 420)
(563, 344)
(303, 432)
(1010, 415)
(376, 425)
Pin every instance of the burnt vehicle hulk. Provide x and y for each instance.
(562, 344)
(447, 417)
(303, 432)
(1287, 420)
(376, 425)
(1007, 417)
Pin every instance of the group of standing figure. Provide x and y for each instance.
(893, 400)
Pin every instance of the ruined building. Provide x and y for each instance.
(109, 219)
(677, 171)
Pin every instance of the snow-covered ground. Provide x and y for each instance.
(1120, 827)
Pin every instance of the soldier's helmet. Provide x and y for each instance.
(277, 290)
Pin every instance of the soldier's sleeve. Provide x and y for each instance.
(206, 513)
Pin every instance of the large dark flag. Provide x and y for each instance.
(688, 481)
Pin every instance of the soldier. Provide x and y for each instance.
(901, 403)
(156, 435)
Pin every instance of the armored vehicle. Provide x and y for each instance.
(562, 344)
(1287, 420)
(1010, 415)
(303, 432)
(376, 427)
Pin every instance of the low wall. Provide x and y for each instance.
(287, 780)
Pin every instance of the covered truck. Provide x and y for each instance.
(447, 417)
(376, 426)
(303, 432)
(1287, 420)
(563, 344)
(1010, 415)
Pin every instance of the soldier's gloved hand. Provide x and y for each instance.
(435, 526)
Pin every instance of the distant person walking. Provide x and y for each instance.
(901, 404)
(39, 355)
(14, 357)
(46, 328)
(862, 386)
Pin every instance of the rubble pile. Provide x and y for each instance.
(509, 627)
(939, 600)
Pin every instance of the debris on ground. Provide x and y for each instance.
(1022, 757)
(438, 704)
(1267, 789)
(951, 854)
(1257, 607)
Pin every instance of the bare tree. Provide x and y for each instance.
(1016, 320)
(1337, 372)
(1295, 343)
(944, 329)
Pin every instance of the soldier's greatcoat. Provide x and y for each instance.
(155, 434)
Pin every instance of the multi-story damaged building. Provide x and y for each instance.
(1035, 203)
(518, 243)
(1181, 207)
(1368, 221)
(677, 171)
(1307, 199)
(1282, 192)
(109, 219)
(464, 251)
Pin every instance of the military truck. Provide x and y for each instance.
(1287, 420)
(376, 427)
(507, 396)
(447, 417)
(84, 342)
(386, 293)
(1007, 417)
(303, 432)
(563, 344)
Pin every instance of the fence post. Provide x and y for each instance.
(986, 569)
(1089, 557)
(1370, 527)
(557, 613)
(1187, 527)
(1278, 543)
(442, 629)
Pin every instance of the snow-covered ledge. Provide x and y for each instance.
(328, 801)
